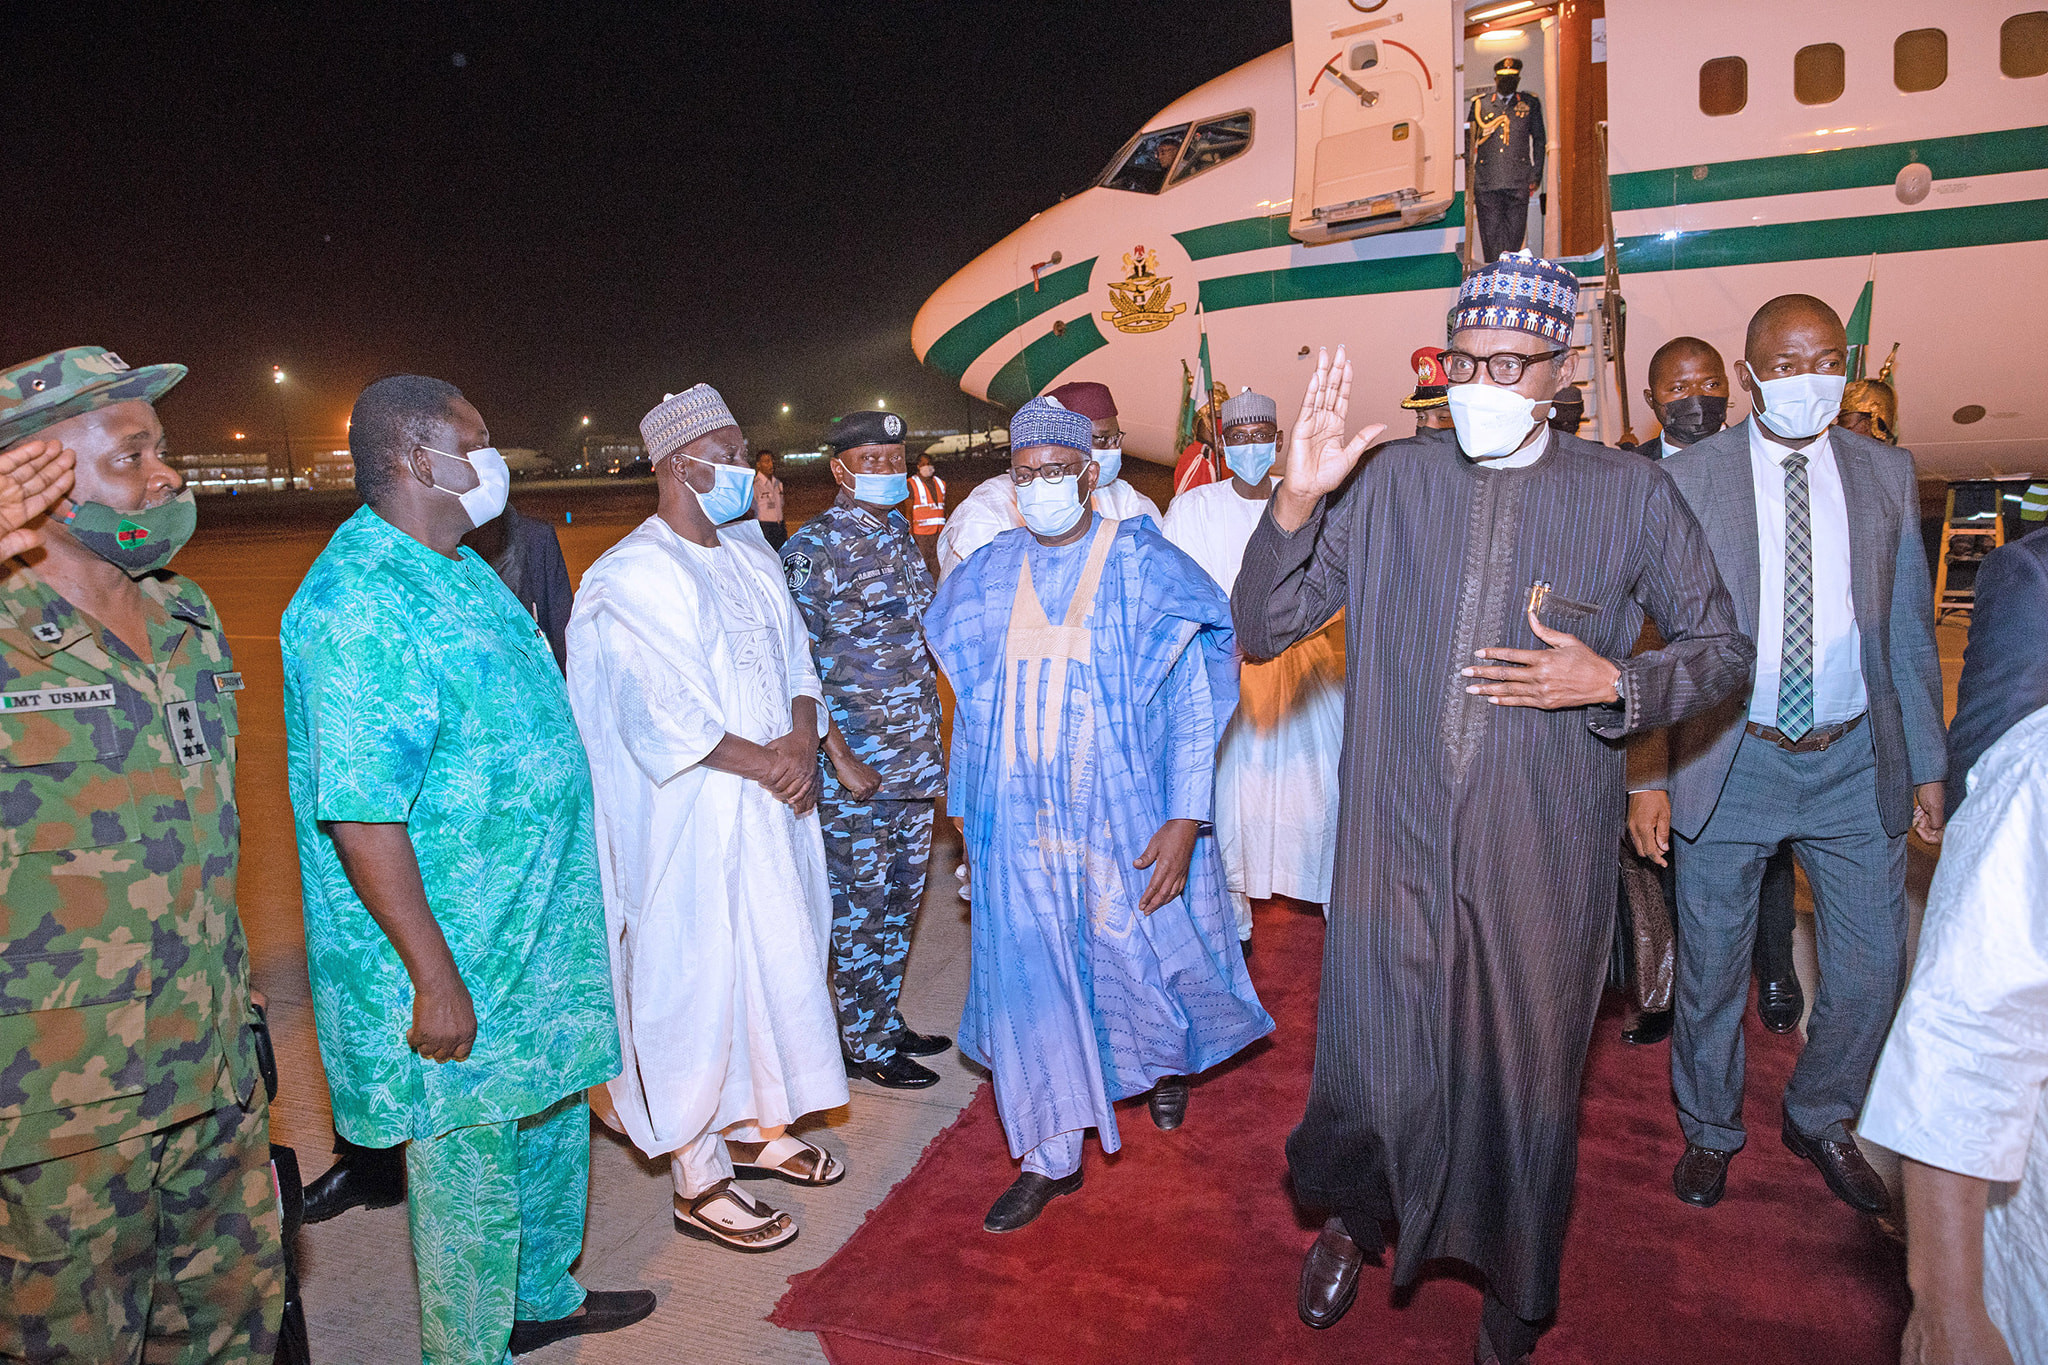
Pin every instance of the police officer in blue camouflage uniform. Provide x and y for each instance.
(862, 586)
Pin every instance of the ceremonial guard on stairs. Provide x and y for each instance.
(1504, 158)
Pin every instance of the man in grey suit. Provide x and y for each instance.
(2005, 666)
(1837, 747)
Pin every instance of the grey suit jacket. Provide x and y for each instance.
(2005, 666)
(1894, 603)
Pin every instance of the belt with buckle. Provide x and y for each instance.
(1812, 742)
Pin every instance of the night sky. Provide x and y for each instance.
(561, 215)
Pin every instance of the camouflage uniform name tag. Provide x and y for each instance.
(227, 682)
(58, 698)
(181, 718)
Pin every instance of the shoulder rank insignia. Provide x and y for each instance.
(49, 632)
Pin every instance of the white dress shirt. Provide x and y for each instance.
(1838, 693)
(1963, 1081)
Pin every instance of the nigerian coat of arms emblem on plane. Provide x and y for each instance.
(1143, 300)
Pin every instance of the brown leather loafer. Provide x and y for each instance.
(1701, 1175)
(1329, 1276)
(1841, 1164)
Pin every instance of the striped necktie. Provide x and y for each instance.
(1795, 675)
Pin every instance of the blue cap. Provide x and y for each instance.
(1519, 293)
(1048, 422)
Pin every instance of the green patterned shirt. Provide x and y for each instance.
(417, 690)
(124, 976)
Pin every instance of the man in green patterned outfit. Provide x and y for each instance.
(137, 1214)
(443, 811)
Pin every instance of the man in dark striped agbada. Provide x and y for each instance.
(1495, 579)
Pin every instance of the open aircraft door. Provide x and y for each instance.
(1376, 131)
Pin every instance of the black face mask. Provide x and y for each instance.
(1693, 418)
(1507, 85)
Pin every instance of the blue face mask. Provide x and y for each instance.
(1109, 465)
(732, 491)
(1251, 462)
(1050, 509)
(880, 490)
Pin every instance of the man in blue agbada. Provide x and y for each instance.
(1093, 671)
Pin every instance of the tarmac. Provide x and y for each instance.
(356, 1270)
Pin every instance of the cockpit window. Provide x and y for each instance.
(1144, 165)
(1214, 143)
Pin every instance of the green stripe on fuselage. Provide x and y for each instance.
(1949, 158)
(965, 340)
(1256, 234)
(1032, 370)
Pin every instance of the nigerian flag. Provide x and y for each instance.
(1859, 323)
(1184, 431)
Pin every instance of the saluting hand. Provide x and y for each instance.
(1568, 673)
(33, 475)
(1318, 457)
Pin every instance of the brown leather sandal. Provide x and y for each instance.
(813, 1165)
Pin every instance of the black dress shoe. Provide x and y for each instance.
(1329, 1276)
(1780, 1003)
(603, 1311)
(1169, 1102)
(1701, 1175)
(1026, 1199)
(917, 1044)
(1652, 1026)
(371, 1178)
(1843, 1167)
(897, 1073)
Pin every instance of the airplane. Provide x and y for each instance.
(1315, 196)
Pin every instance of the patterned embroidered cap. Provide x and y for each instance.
(1247, 407)
(681, 418)
(1049, 422)
(63, 384)
(1519, 293)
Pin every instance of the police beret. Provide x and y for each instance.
(865, 429)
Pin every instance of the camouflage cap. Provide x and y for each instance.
(63, 384)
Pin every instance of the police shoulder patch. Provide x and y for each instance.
(796, 567)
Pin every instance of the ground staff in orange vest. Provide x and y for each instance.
(927, 511)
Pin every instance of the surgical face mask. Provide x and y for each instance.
(1109, 464)
(493, 483)
(1490, 421)
(732, 491)
(1693, 418)
(1050, 509)
(1799, 405)
(1507, 85)
(879, 490)
(134, 542)
(1251, 461)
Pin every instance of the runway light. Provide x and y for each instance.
(238, 436)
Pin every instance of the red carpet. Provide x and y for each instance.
(1185, 1246)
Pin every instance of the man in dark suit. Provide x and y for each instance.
(1837, 747)
(1688, 395)
(2005, 665)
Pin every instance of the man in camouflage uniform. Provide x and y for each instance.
(861, 586)
(136, 1202)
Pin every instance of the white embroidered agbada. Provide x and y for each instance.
(990, 508)
(1962, 1083)
(1276, 769)
(716, 904)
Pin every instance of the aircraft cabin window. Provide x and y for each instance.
(1143, 168)
(1818, 73)
(1920, 60)
(2023, 45)
(1214, 143)
(1724, 86)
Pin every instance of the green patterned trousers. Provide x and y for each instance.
(497, 1219)
(169, 1238)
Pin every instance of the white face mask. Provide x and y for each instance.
(1109, 464)
(1799, 405)
(1491, 421)
(1050, 509)
(486, 501)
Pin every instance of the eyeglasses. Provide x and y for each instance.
(1022, 475)
(1460, 367)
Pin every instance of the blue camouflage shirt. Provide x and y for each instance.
(862, 586)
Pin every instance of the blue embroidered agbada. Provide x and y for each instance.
(1091, 683)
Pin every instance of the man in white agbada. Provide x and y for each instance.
(991, 508)
(1961, 1090)
(691, 677)
(1276, 769)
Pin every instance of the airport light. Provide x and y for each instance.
(284, 423)
(586, 421)
(880, 404)
(785, 409)
(277, 374)
(239, 435)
